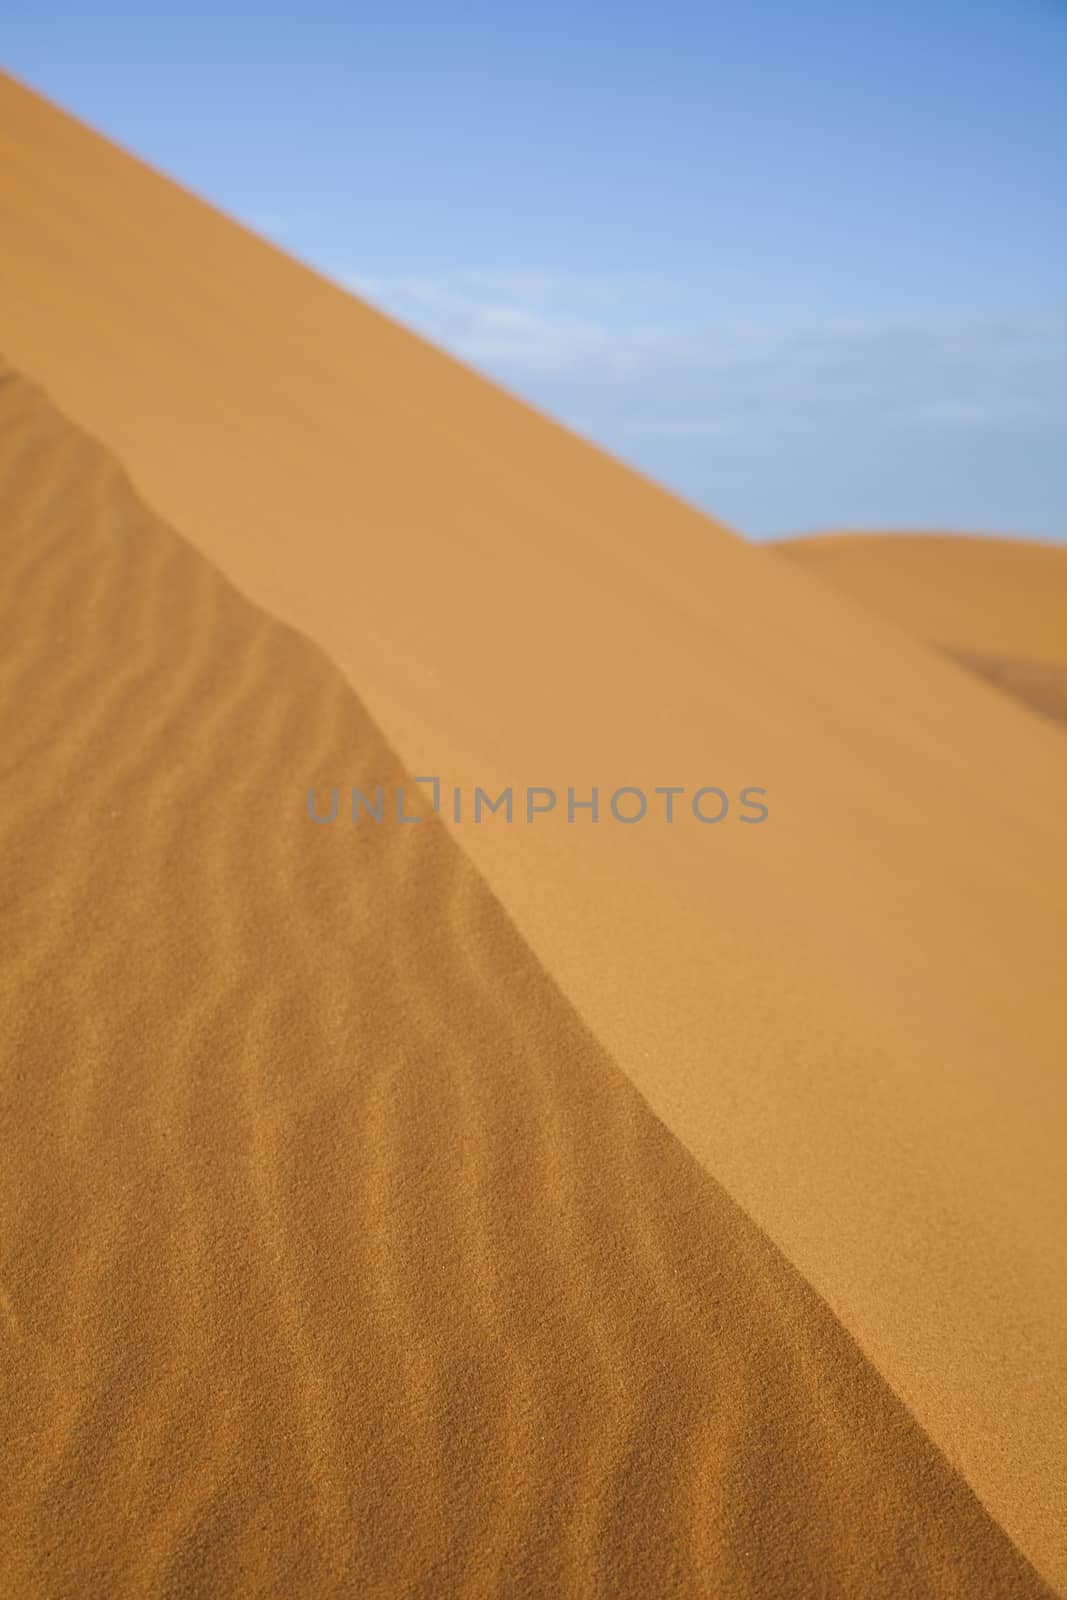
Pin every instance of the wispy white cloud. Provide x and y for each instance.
(503, 322)
(533, 325)
(947, 414)
(704, 401)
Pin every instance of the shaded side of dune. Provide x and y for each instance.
(336, 1257)
(998, 607)
(1041, 685)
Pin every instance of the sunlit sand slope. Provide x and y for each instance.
(337, 1259)
(997, 606)
(853, 1015)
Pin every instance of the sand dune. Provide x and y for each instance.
(338, 1258)
(997, 606)
(853, 1016)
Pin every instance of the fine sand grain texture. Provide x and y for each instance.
(997, 606)
(337, 1258)
(853, 1016)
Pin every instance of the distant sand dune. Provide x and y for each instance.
(997, 606)
(337, 1259)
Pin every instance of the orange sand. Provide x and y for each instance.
(339, 1260)
(852, 1017)
(997, 606)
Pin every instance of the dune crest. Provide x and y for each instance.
(337, 1257)
(853, 1017)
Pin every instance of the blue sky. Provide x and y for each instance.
(804, 262)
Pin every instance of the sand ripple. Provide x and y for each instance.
(336, 1257)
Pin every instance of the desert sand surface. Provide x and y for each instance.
(997, 606)
(851, 1017)
(338, 1257)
